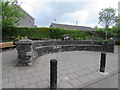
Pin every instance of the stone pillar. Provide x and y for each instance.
(25, 51)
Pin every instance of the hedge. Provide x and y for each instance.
(42, 33)
(117, 42)
(112, 32)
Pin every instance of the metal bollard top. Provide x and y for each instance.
(53, 60)
(103, 54)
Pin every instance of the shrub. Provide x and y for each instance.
(112, 32)
(117, 42)
(16, 39)
(43, 33)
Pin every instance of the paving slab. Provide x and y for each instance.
(109, 82)
(76, 69)
(21, 83)
(31, 86)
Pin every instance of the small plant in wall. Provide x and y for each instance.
(16, 39)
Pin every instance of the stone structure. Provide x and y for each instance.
(28, 50)
(26, 54)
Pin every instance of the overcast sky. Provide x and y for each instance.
(85, 12)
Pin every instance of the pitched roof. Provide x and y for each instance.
(23, 11)
(83, 28)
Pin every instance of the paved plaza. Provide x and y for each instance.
(76, 69)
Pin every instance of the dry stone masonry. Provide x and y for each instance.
(29, 50)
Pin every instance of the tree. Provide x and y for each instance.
(96, 27)
(10, 15)
(107, 17)
(117, 21)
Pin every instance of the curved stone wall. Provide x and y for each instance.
(29, 50)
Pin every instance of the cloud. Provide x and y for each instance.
(79, 16)
(66, 11)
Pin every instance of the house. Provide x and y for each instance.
(82, 28)
(26, 20)
(89, 30)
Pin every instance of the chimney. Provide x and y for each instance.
(76, 23)
(55, 20)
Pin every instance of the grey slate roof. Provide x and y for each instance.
(83, 28)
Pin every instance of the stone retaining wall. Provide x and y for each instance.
(29, 50)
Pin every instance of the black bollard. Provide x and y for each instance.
(53, 74)
(102, 62)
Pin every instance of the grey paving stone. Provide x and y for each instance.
(19, 72)
(31, 86)
(78, 69)
(8, 75)
(34, 79)
(13, 79)
(80, 73)
(91, 77)
(45, 72)
(63, 78)
(9, 85)
(5, 71)
(72, 76)
(37, 69)
(44, 77)
(62, 72)
(22, 83)
(70, 70)
(43, 84)
(27, 75)
(94, 69)
(97, 74)
(65, 85)
(84, 79)
(35, 74)
(87, 71)
(30, 70)
(14, 70)
(5, 80)
(75, 83)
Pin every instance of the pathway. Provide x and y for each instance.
(76, 69)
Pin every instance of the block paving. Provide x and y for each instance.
(76, 69)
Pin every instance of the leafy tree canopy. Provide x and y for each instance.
(117, 21)
(107, 17)
(10, 15)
